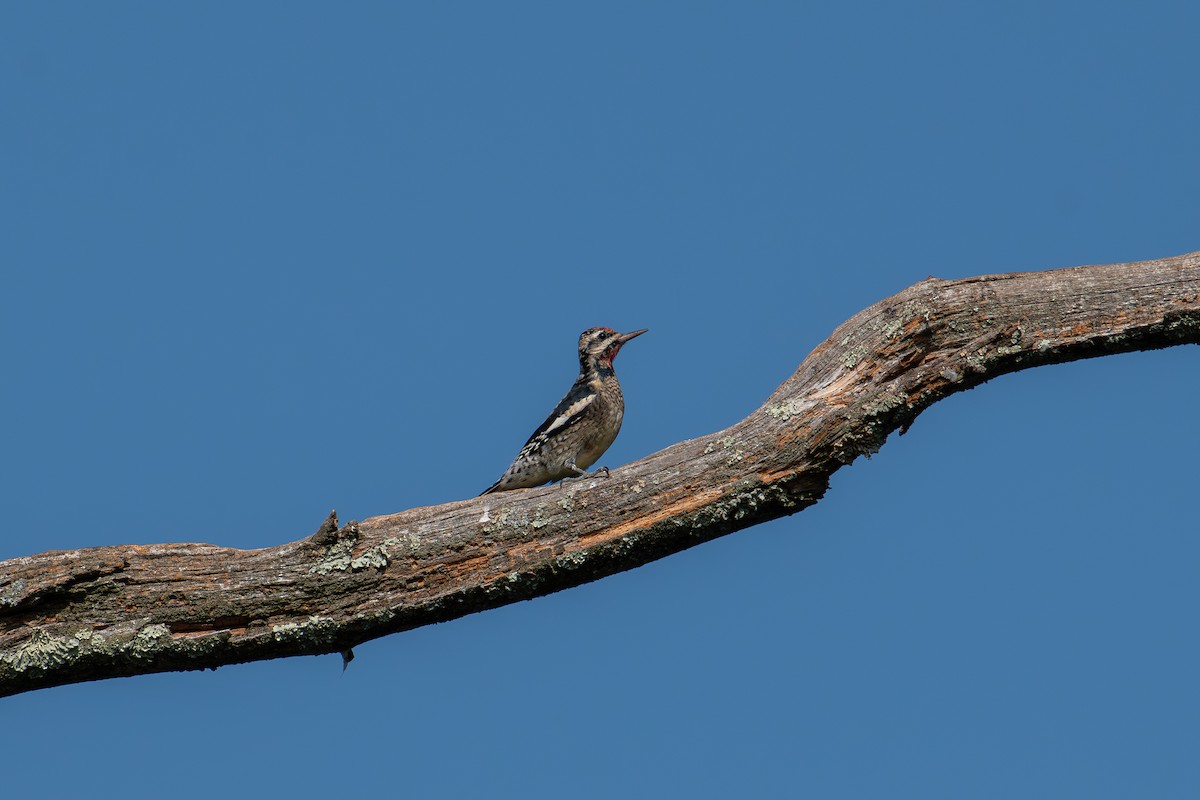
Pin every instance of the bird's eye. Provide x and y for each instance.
(605, 334)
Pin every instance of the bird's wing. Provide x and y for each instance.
(568, 411)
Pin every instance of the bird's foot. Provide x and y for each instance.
(583, 475)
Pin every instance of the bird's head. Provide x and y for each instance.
(599, 346)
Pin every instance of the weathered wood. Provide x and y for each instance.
(70, 616)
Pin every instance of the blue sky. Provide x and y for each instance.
(267, 259)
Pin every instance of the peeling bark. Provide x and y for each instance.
(71, 616)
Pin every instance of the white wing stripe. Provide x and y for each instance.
(572, 411)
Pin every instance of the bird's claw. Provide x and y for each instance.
(583, 475)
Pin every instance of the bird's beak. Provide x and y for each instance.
(625, 337)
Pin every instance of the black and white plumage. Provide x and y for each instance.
(584, 423)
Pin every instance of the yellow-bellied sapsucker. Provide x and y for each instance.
(584, 423)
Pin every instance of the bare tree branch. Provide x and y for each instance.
(70, 616)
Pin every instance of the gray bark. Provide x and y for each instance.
(70, 616)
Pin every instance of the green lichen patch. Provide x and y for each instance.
(571, 560)
(520, 520)
(884, 403)
(729, 444)
(13, 593)
(539, 517)
(852, 357)
(783, 411)
(313, 630)
(892, 329)
(742, 503)
(148, 641)
(46, 650)
(41, 651)
(376, 557)
(338, 555)
(567, 503)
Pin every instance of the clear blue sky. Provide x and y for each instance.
(261, 260)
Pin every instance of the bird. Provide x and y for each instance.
(583, 424)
